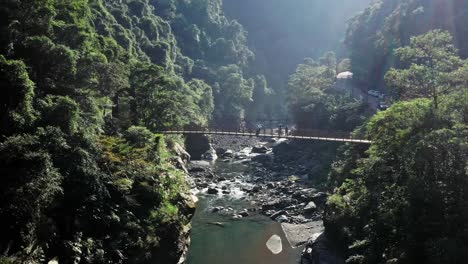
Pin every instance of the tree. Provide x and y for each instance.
(344, 65)
(16, 103)
(410, 184)
(429, 64)
(233, 96)
(29, 186)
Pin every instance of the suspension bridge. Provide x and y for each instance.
(281, 131)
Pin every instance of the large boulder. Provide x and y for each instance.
(212, 191)
(274, 244)
(278, 213)
(228, 154)
(310, 207)
(210, 155)
(260, 149)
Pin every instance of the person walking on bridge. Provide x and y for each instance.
(280, 130)
(259, 127)
(286, 131)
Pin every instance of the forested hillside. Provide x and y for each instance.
(85, 85)
(405, 200)
(387, 24)
(283, 33)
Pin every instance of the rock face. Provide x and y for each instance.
(181, 152)
(186, 204)
(321, 250)
(197, 145)
(178, 163)
(300, 234)
(274, 244)
(188, 207)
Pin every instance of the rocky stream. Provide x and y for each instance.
(254, 208)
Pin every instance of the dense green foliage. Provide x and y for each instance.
(319, 106)
(405, 200)
(86, 83)
(315, 102)
(386, 25)
(433, 68)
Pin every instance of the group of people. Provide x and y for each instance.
(280, 130)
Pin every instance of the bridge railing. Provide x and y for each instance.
(322, 133)
(330, 135)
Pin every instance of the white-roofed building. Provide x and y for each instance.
(344, 75)
(344, 82)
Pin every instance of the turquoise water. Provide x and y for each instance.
(241, 241)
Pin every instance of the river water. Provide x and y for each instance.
(220, 239)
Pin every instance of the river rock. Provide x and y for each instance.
(274, 244)
(202, 184)
(277, 214)
(260, 149)
(217, 224)
(291, 207)
(277, 203)
(228, 154)
(217, 209)
(240, 156)
(212, 191)
(263, 158)
(178, 163)
(236, 216)
(304, 194)
(310, 207)
(210, 155)
(244, 213)
(282, 219)
(256, 189)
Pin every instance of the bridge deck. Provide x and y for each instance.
(246, 134)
